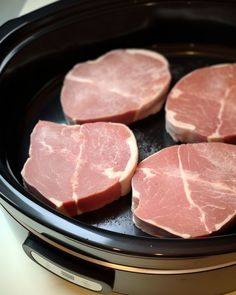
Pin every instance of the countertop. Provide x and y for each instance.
(19, 274)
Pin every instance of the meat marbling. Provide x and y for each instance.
(202, 106)
(80, 168)
(186, 190)
(120, 86)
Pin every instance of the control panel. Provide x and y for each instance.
(71, 268)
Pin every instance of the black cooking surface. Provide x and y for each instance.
(150, 132)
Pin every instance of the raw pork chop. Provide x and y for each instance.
(80, 168)
(120, 86)
(202, 106)
(187, 190)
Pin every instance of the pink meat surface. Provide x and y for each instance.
(187, 190)
(121, 86)
(202, 106)
(80, 168)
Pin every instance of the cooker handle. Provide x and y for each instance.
(76, 270)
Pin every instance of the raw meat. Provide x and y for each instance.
(202, 106)
(80, 168)
(121, 86)
(186, 190)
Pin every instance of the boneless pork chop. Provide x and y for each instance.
(202, 106)
(186, 190)
(121, 86)
(80, 168)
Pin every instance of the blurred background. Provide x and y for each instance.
(12, 8)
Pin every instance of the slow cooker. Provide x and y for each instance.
(103, 251)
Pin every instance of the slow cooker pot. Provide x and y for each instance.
(103, 251)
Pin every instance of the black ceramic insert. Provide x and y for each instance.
(38, 49)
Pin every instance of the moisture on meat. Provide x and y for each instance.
(186, 190)
(80, 168)
(121, 86)
(202, 106)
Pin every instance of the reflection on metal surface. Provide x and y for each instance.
(130, 268)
